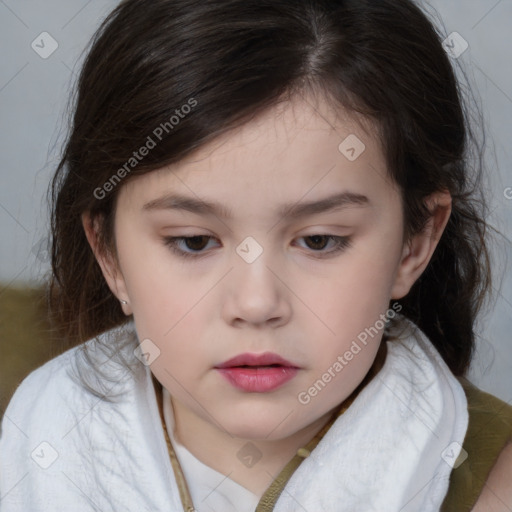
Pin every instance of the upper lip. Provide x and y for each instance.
(247, 359)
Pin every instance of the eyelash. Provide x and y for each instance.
(342, 243)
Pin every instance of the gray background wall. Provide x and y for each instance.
(34, 91)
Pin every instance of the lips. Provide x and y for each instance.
(266, 359)
(257, 373)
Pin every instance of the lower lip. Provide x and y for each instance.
(258, 380)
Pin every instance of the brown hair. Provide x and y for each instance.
(237, 58)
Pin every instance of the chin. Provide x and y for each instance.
(265, 426)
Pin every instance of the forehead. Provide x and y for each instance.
(304, 148)
(293, 127)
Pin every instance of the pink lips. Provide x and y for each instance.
(257, 373)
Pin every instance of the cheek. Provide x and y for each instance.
(358, 293)
(173, 319)
(164, 304)
(351, 306)
(183, 350)
(151, 277)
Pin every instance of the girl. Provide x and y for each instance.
(268, 256)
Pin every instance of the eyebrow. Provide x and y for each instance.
(288, 211)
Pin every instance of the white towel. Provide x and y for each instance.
(394, 448)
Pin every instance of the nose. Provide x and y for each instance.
(256, 294)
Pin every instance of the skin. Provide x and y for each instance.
(496, 496)
(289, 300)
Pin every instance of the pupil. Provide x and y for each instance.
(315, 239)
(193, 239)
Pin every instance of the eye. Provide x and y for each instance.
(196, 244)
(339, 242)
(195, 241)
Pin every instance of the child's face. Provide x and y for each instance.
(298, 298)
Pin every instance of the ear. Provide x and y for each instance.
(107, 262)
(418, 251)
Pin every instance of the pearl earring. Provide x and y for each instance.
(123, 301)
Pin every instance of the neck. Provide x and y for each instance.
(218, 450)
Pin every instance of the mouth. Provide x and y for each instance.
(257, 373)
(266, 360)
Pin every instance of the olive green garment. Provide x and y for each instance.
(489, 431)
